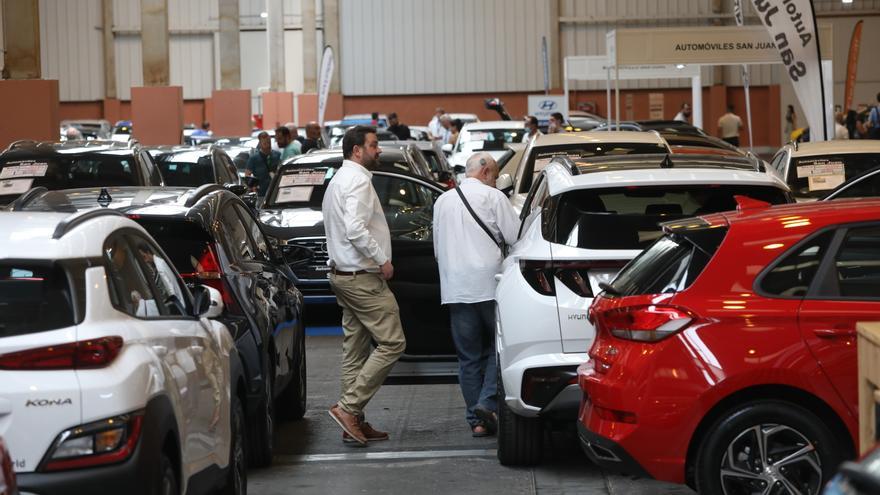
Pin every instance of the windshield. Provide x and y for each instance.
(474, 140)
(815, 176)
(629, 217)
(186, 170)
(65, 172)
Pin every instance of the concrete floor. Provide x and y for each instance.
(430, 450)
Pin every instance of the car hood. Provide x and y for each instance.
(306, 221)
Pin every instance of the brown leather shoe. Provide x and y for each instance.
(349, 424)
(372, 434)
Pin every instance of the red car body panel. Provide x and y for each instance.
(740, 339)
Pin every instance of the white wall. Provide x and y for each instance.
(71, 48)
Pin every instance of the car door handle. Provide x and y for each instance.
(834, 333)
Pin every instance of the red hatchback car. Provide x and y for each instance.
(725, 354)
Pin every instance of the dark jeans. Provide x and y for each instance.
(473, 330)
(732, 140)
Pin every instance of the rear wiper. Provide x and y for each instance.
(609, 289)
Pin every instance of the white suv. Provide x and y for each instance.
(113, 378)
(812, 170)
(583, 220)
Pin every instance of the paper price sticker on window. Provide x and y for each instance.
(24, 170)
(305, 178)
(15, 186)
(824, 182)
(823, 167)
(295, 194)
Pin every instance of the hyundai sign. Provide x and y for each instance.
(541, 106)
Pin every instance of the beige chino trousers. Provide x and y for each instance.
(369, 314)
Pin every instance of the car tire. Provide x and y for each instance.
(782, 428)
(260, 446)
(168, 484)
(236, 475)
(292, 403)
(520, 440)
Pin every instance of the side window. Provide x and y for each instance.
(530, 201)
(171, 298)
(236, 236)
(777, 162)
(858, 263)
(408, 207)
(792, 276)
(259, 240)
(154, 177)
(129, 290)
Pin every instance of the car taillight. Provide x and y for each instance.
(101, 442)
(650, 323)
(84, 354)
(578, 276)
(208, 272)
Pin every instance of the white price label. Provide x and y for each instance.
(820, 168)
(295, 194)
(15, 186)
(302, 179)
(824, 182)
(24, 170)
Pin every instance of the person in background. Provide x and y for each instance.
(294, 133)
(790, 122)
(445, 128)
(556, 123)
(263, 163)
(840, 130)
(287, 146)
(531, 127)
(468, 260)
(313, 138)
(398, 129)
(454, 130)
(684, 114)
(359, 256)
(72, 134)
(434, 126)
(873, 122)
(204, 130)
(729, 126)
(374, 119)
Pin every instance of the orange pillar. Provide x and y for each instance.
(30, 107)
(230, 112)
(157, 114)
(277, 108)
(112, 110)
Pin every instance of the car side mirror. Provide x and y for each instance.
(250, 199)
(458, 169)
(447, 148)
(504, 183)
(207, 302)
(237, 189)
(295, 255)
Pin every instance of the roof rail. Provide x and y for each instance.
(20, 143)
(26, 198)
(567, 163)
(201, 192)
(74, 220)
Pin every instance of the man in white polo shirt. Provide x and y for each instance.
(359, 248)
(468, 259)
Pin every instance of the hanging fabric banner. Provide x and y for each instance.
(792, 28)
(738, 16)
(324, 79)
(852, 64)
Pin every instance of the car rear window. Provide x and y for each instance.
(816, 176)
(92, 170)
(629, 217)
(186, 171)
(183, 241)
(672, 263)
(35, 298)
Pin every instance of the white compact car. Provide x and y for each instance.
(812, 170)
(490, 134)
(582, 221)
(113, 378)
(578, 145)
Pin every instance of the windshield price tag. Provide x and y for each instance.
(295, 194)
(820, 167)
(824, 182)
(15, 186)
(303, 178)
(24, 170)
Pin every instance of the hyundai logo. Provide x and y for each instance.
(547, 105)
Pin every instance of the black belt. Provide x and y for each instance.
(339, 272)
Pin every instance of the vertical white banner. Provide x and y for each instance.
(738, 15)
(324, 79)
(792, 28)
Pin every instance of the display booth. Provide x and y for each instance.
(663, 53)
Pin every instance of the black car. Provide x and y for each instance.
(293, 201)
(74, 164)
(404, 158)
(193, 166)
(671, 126)
(432, 155)
(213, 238)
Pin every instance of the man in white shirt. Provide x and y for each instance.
(359, 248)
(434, 126)
(468, 260)
(729, 126)
(684, 114)
(531, 128)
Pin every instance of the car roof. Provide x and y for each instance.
(487, 125)
(837, 146)
(27, 147)
(30, 235)
(647, 170)
(598, 137)
(816, 214)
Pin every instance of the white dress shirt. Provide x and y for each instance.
(467, 257)
(357, 232)
(435, 128)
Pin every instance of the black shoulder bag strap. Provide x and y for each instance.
(501, 244)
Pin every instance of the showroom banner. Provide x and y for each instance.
(792, 28)
(852, 64)
(738, 16)
(324, 79)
